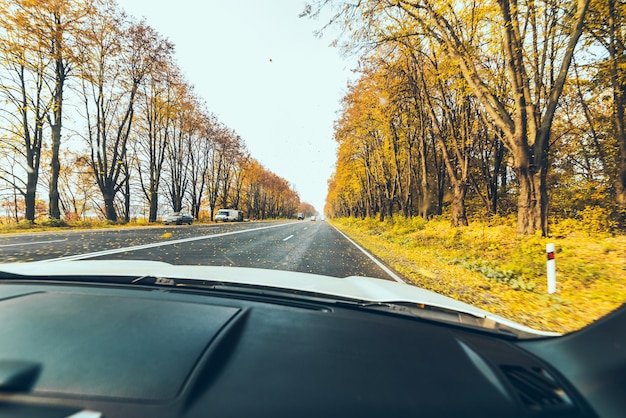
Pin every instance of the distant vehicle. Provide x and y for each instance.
(178, 218)
(313, 217)
(229, 215)
(300, 216)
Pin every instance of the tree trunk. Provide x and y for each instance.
(424, 195)
(621, 182)
(57, 102)
(616, 52)
(441, 189)
(29, 198)
(532, 201)
(55, 167)
(493, 182)
(154, 205)
(127, 200)
(459, 214)
(15, 206)
(109, 206)
(619, 98)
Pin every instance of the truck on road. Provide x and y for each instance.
(229, 215)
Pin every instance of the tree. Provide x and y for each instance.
(453, 126)
(119, 55)
(307, 209)
(607, 20)
(76, 185)
(239, 178)
(200, 151)
(52, 27)
(266, 195)
(535, 41)
(227, 150)
(23, 88)
(154, 128)
(12, 184)
(179, 147)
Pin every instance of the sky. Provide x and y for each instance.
(264, 74)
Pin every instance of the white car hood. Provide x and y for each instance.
(354, 287)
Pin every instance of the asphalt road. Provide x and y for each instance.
(304, 246)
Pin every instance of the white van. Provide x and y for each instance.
(229, 215)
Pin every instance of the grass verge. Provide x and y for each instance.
(487, 265)
(43, 225)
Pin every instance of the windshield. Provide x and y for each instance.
(348, 138)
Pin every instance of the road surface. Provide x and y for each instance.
(304, 246)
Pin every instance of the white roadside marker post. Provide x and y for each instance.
(551, 268)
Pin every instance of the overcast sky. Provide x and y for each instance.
(264, 74)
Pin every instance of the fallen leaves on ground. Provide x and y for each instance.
(492, 268)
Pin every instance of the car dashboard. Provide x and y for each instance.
(80, 349)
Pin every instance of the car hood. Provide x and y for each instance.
(366, 289)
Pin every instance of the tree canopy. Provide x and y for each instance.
(142, 142)
(491, 105)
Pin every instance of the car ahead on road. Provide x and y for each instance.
(149, 339)
(300, 216)
(178, 218)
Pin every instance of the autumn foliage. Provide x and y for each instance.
(488, 266)
(472, 109)
(141, 141)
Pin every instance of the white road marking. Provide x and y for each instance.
(290, 236)
(33, 243)
(154, 244)
(371, 257)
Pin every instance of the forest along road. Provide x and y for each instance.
(304, 246)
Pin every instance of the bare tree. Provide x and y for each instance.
(120, 54)
(51, 27)
(184, 131)
(27, 103)
(154, 129)
(199, 161)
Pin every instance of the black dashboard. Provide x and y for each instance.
(89, 350)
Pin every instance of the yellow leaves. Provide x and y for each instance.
(166, 235)
(589, 271)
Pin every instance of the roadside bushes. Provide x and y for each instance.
(489, 266)
(497, 253)
(53, 223)
(511, 278)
